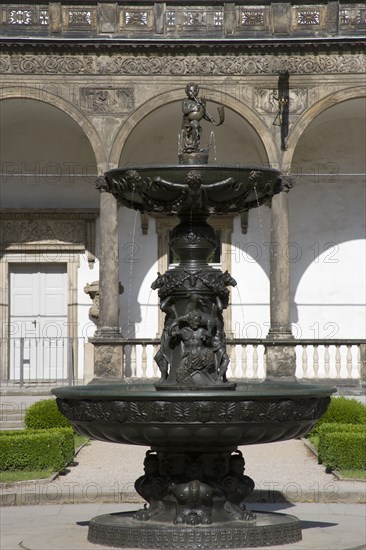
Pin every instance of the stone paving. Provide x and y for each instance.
(64, 527)
(102, 482)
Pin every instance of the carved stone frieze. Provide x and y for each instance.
(48, 230)
(230, 64)
(37, 231)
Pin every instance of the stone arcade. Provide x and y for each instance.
(91, 81)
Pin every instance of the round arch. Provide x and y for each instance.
(68, 109)
(163, 99)
(327, 214)
(310, 115)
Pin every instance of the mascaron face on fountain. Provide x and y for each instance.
(179, 189)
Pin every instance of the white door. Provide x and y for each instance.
(38, 315)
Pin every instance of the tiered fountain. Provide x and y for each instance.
(193, 418)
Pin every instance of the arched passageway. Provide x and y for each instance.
(47, 158)
(327, 224)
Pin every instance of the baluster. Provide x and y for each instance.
(233, 360)
(21, 365)
(349, 361)
(133, 360)
(264, 362)
(315, 361)
(123, 361)
(244, 360)
(326, 361)
(155, 366)
(338, 361)
(304, 360)
(255, 361)
(359, 366)
(144, 361)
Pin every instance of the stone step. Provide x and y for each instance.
(12, 416)
(12, 425)
(15, 416)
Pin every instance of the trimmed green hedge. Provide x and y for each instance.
(36, 449)
(342, 411)
(45, 414)
(332, 427)
(343, 450)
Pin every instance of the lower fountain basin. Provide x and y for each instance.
(138, 414)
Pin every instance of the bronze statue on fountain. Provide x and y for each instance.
(193, 418)
(194, 110)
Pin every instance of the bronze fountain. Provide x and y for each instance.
(193, 418)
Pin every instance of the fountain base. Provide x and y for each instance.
(121, 530)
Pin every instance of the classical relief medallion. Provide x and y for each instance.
(107, 100)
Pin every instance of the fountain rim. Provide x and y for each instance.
(140, 391)
(210, 167)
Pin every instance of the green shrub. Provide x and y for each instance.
(330, 428)
(343, 450)
(36, 449)
(338, 427)
(45, 414)
(344, 411)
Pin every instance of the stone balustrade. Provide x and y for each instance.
(315, 359)
(328, 360)
(185, 20)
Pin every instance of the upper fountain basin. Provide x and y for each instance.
(173, 189)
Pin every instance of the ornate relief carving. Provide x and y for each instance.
(27, 17)
(180, 412)
(108, 362)
(136, 19)
(188, 19)
(263, 100)
(80, 18)
(254, 17)
(308, 17)
(107, 100)
(352, 16)
(20, 17)
(37, 231)
(48, 230)
(179, 65)
(196, 18)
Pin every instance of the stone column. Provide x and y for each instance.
(108, 356)
(281, 360)
(109, 267)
